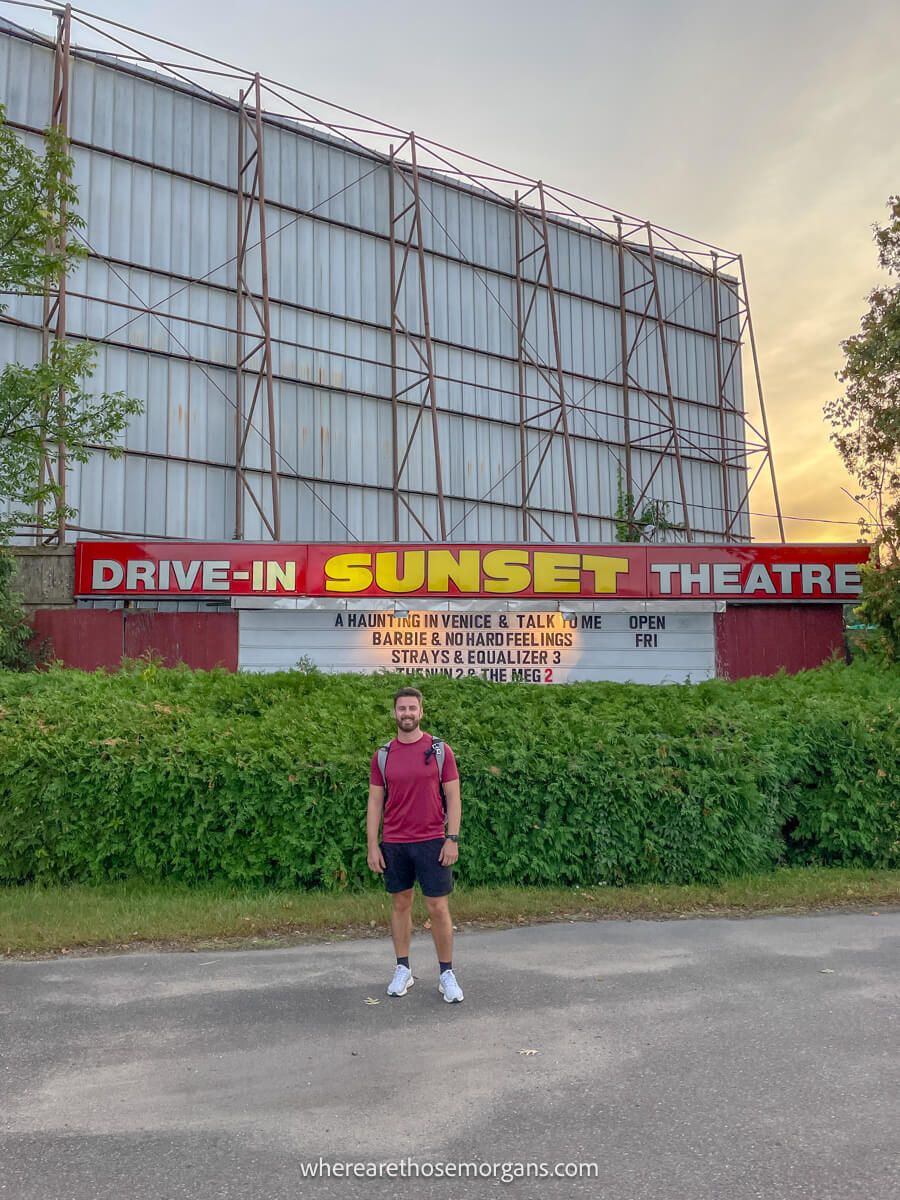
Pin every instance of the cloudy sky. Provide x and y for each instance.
(771, 127)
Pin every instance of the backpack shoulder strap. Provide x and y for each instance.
(382, 762)
(438, 746)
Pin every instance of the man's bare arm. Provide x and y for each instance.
(454, 806)
(450, 853)
(373, 826)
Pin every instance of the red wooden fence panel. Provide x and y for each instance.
(760, 639)
(88, 638)
(201, 640)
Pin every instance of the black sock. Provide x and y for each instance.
(403, 962)
(445, 966)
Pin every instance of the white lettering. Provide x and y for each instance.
(140, 570)
(106, 574)
(816, 575)
(785, 573)
(846, 578)
(727, 578)
(759, 580)
(665, 571)
(184, 578)
(215, 575)
(689, 578)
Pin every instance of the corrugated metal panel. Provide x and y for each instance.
(162, 232)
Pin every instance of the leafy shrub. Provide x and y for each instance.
(15, 632)
(262, 780)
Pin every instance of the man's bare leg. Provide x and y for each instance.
(441, 926)
(401, 922)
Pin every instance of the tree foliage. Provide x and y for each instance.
(37, 211)
(645, 526)
(15, 632)
(866, 420)
(46, 405)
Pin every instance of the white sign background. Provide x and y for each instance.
(654, 645)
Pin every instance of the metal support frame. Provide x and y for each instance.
(413, 377)
(253, 358)
(648, 320)
(721, 378)
(53, 320)
(748, 326)
(733, 452)
(528, 288)
(670, 395)
(419, 379)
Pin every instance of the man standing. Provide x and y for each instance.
(413, 844)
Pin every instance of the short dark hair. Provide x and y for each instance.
(408, 691)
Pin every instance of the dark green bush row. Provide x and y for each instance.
(263, 780)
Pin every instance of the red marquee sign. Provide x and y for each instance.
(512, 571)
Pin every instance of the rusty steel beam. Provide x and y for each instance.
(721, 379)
(53, 321)
(554, 325)
(743, 318)
(762, 402)
(670, 395)
(395, 449)
(650, 313)
(254, 327)
(625, 360)
(527, 291)
(520, 367)
(746, 496)
(407, 243)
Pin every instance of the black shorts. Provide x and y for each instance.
(406, 862)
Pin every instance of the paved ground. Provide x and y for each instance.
(692, 1060)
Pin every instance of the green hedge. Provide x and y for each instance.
(262, 780)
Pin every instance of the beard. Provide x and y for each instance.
(408, 722)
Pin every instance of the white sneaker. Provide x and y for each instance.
(449, 988)
(402, 981)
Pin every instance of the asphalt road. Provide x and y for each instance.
(690, 1060)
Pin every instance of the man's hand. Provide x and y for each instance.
(449, 853)
(376, 860)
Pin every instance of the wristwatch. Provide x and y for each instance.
(452, 837)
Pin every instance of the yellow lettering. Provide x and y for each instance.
(257, 582)
(557, 572)
(444, 567)
(348, 572)
(386, 568)
(606, 571)
(281, 577)
(504, 572)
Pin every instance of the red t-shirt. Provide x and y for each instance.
(412, 809)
